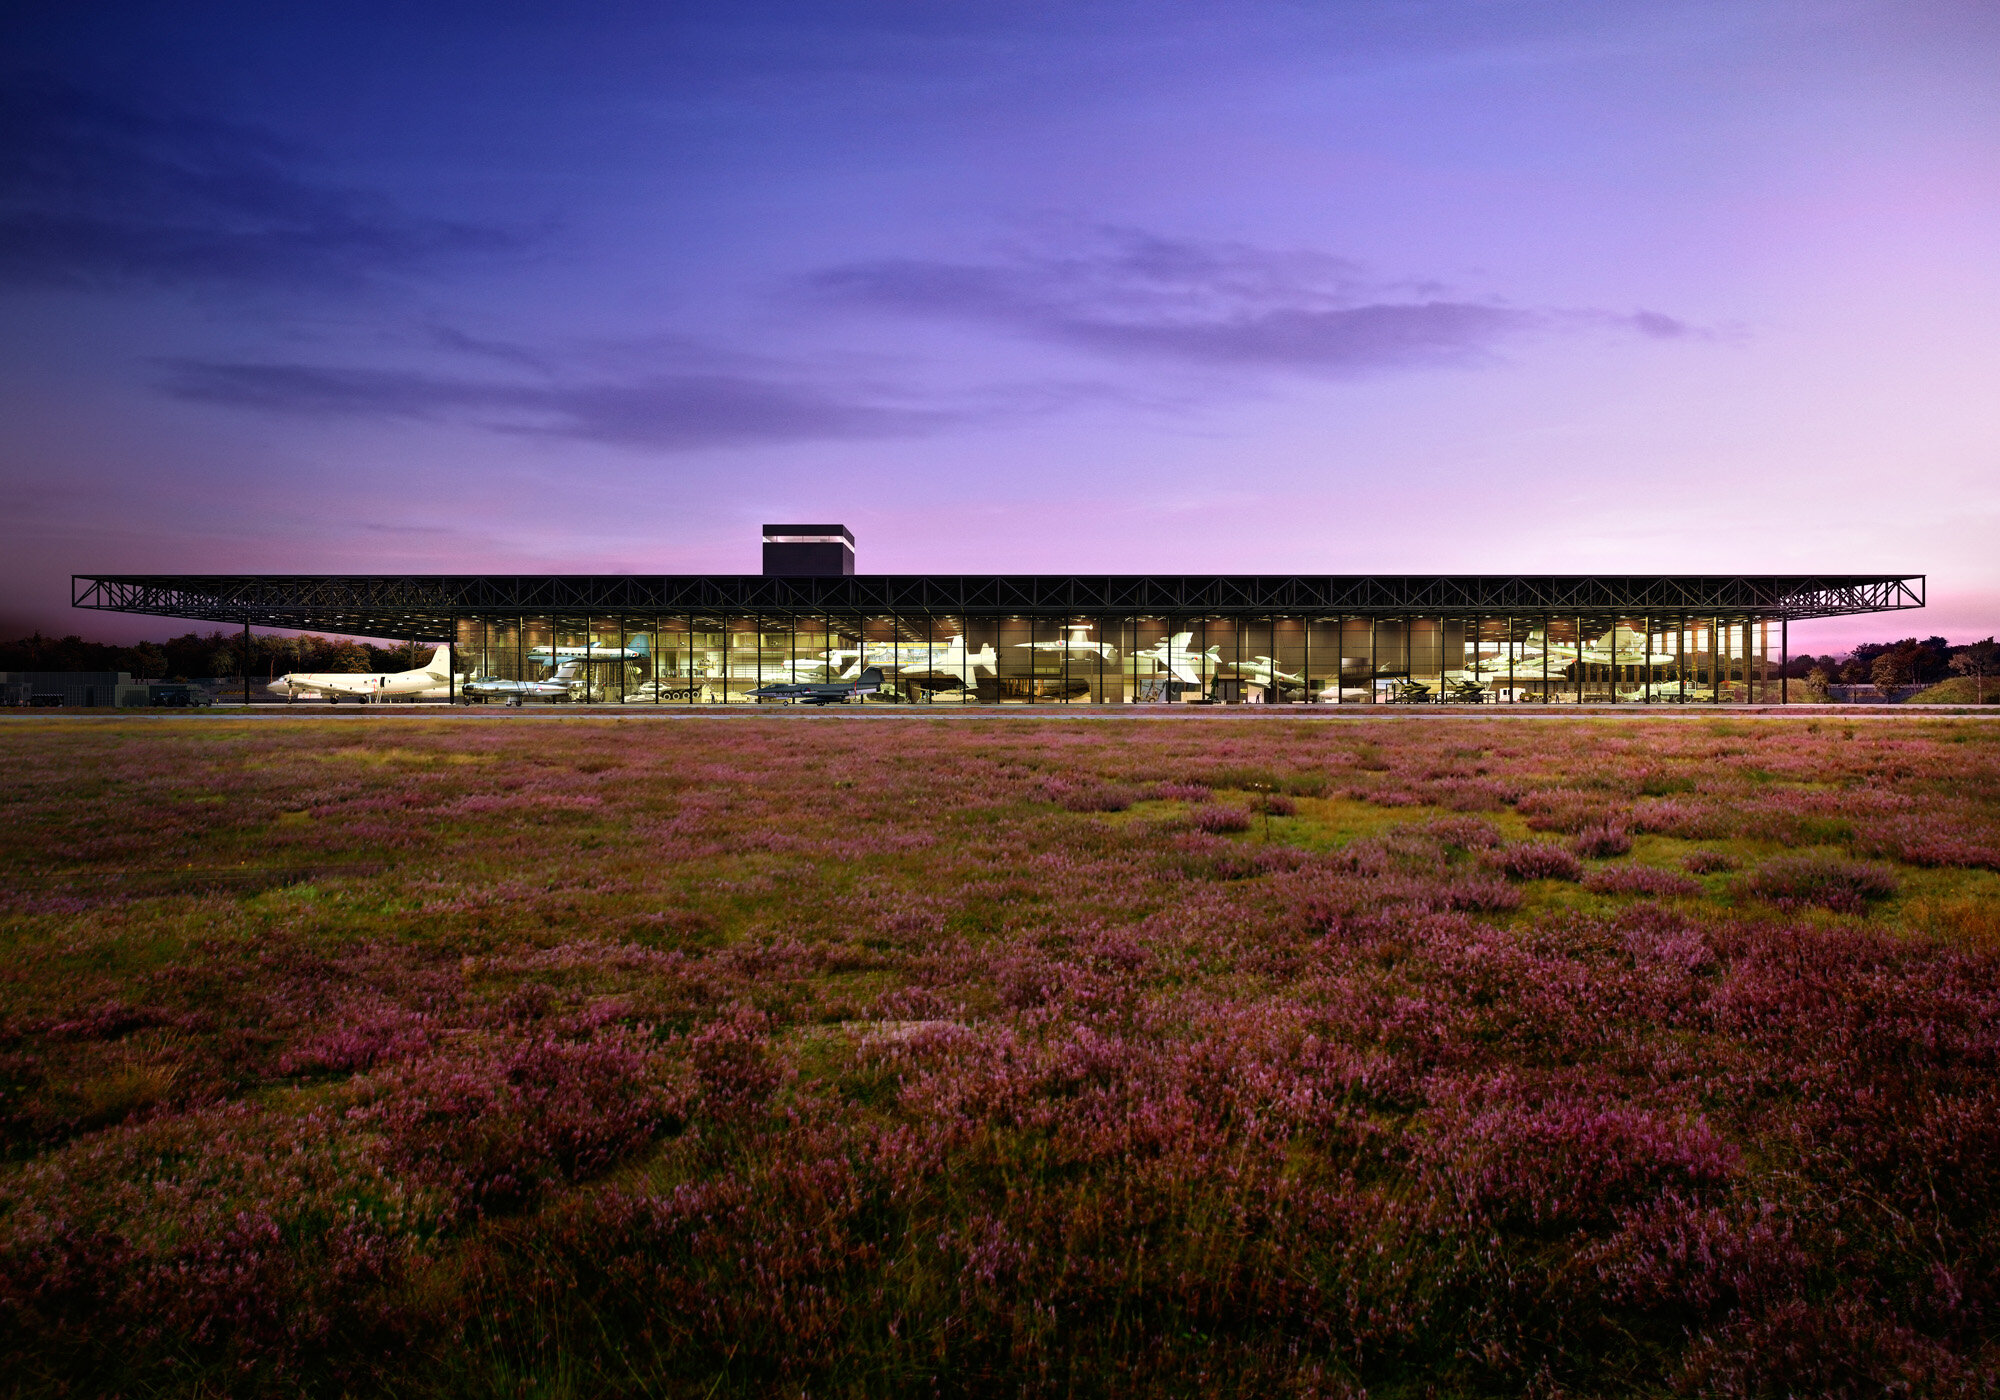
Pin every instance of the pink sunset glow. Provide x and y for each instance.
(1109, 288)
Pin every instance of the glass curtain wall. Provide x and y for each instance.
(1549, 659)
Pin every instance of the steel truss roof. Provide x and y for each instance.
(420, 607)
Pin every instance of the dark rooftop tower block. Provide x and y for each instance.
(794, 551)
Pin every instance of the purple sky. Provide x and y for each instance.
(1337, 287)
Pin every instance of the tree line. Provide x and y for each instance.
(1893, 665)
(202, 654)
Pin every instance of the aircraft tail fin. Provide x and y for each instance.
(639, 644)
(870, 677)
(440, 663)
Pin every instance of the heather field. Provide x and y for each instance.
(813, 1056)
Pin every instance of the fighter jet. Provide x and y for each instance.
(828, 693)
(555, 687)
(1173, 655)
(636, 649)
(337, 686)
(1264, 671)
(1075, 641)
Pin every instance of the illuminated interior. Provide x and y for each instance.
(945, 660)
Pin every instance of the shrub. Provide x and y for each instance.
(1600, 841)
(1182, 792)
(1664, 784)
(1708, 862)
(1562, 810)
(1220, 819)
(1845, 886)
(1466, 833)
(1102, 797)
(1278, 805)
(1687, 820)
(1643, 880)
(497, 1130)
(1538, 860)
(1948, 838)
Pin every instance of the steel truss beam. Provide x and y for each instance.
(422, 607)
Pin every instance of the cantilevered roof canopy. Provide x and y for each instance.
(426, 607)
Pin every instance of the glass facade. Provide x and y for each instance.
(939, 659)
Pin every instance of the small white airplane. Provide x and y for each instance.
(555, 687)
(1173, 655)
(636, 649)
(948, 657)
(337, 685)
(1076, 641)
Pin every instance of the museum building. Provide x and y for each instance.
(713, 639)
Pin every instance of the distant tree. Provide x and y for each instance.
(1854, 671)
(71, 653)
(348, 657)
(1979, 661)
(1892, 669)
(149, 661)
(1932, 661)
(1815, 682)
(194, 653)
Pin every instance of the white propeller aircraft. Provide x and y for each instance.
(380, 685)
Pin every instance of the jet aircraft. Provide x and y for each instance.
(337, 686)
(1264, 671)
(948, 657)
(1173, 655)
(555, 687)
(1076, 641)
(824, 693)
(636, 649)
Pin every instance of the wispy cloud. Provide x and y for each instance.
(1133, 294)
(1228, 311)
(100, 191)
(674, 410)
